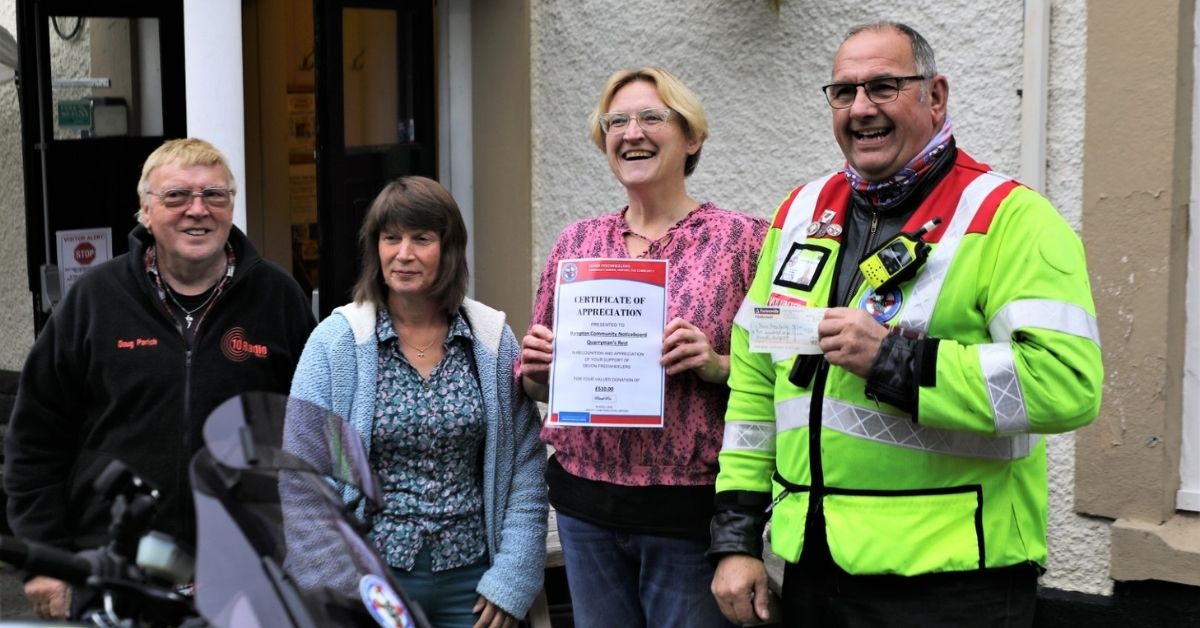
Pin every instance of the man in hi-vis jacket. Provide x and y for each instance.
(903, 467)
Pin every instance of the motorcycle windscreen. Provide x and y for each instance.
(275, 548)
(263, 430)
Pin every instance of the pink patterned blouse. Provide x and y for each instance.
(712, 255)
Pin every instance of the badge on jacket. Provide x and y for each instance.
(802, 266)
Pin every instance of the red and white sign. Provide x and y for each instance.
(85, 253)
(80, 250)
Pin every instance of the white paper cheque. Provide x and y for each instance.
(785, 330)
(609, 316)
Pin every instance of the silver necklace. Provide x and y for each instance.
(187, 314)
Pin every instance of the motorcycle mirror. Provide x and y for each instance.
(269, 431)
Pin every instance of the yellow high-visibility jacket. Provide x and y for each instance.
(959, 484)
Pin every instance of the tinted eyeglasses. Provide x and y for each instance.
(178, 199)
(880, 90)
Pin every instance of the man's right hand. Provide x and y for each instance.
(51, 598)
(740, 586)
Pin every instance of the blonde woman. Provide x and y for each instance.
(633, 505)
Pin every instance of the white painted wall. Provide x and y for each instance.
(759, 79)
(1079, 546)
(212, 49)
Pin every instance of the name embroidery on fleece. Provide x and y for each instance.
(136, 343)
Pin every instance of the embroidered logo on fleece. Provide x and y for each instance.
(235, 346)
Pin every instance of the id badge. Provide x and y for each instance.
(802, 266)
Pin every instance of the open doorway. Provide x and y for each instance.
(94, 104)
(280, 190)
(340, 99)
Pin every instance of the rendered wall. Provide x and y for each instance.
(16, 307)
(759, 79)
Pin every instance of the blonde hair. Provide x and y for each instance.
(182, 152)
(673, 92)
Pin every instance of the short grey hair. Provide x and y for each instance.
(922, 52)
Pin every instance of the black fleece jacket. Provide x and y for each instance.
(110, 376)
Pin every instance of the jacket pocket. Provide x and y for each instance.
(906, 533)
(789, 511)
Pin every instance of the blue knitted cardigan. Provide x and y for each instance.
(337, 371)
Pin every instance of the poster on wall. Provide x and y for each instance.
(302, 193)
(80, 250)
(302, 125)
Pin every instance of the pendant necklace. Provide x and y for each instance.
(187, 314)
(420, 350)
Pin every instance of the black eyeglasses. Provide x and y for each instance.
(178, 199)
(880, 90)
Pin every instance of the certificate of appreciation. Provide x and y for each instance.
(609, 316)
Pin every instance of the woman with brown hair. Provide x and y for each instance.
(425, 375)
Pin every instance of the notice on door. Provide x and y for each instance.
(80, 250)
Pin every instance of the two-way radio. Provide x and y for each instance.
(897, 259)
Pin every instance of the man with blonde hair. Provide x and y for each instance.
(138, 353)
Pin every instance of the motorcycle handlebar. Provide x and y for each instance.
(45, 560)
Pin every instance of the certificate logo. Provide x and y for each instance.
(569, 272)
